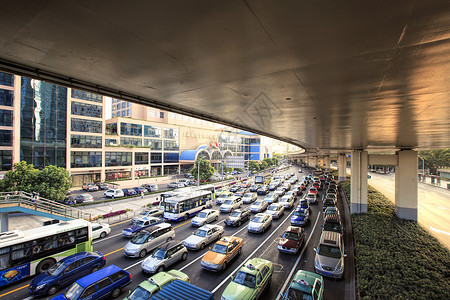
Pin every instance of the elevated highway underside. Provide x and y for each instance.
(328, 76)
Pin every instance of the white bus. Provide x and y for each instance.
(186, 191)
(182, 207)
(33, 251)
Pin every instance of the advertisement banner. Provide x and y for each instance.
(14, 274)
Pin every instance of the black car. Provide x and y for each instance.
(254, 188)
(237, 217)
(235, 188)
(263, 190)
(102, 185)
(328, 202)
(333, 223)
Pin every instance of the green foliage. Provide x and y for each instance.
(51, 183)
(269, 161)
(396, 258)
(263, 165)
(253, 166)
(275, 160)
(225, 168)
(435, 159)
(206, 170)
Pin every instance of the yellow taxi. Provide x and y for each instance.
(222, 253)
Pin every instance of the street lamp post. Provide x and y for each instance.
(198, 172)
(423, 169)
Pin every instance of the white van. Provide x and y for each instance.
(117, 193)
(147, 240)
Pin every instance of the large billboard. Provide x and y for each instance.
(235, 162)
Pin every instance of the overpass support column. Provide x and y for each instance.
(342, 167)
(358, 193)
(4, 222)
(326, 162)
(406, 185)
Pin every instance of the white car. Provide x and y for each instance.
(164, 256)
(203, 236)
(231, 204)
(275, 210)
(287, 201)
(311, 197)
(249, 198)
(205, 216)
(148, 212)
(117, 193)
(100, 230)
(259, 206)
(260, 223)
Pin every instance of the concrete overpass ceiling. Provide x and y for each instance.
(329, 75)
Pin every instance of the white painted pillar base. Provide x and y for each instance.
(4, 222)
(406, 185)
(358, 192)
(342, 167)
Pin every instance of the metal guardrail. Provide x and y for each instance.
(27, 200)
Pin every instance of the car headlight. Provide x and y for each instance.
(317, 265)
(41, 286)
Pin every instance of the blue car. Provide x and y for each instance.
(65, 272)
(99, 285)
(141, 224)
(300, 217)
(129, 192)
(304, 204)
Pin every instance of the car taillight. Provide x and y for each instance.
(189, 280)
(129, 275)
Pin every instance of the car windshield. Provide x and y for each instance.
(332, 227)
(203, 215)
(258, 219)
(310, 195)
(247, 195)
(294, 294)
(274, 207)
(290, 236)
(159, 254)
(329, 251)
(222, 249)
(139, 223)
(258, 203)
(56, 268)
(223, 196)
(228, 202)
(245, 279)
(235, 214)
(144, 212)
(140, 238)
(74, 291)
(200, 233)
(300, 213)
(139, 293)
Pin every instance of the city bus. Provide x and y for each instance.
(262, 179)
(33, 251)
(186, 191)
(182, 207)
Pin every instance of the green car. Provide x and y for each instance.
(249, 282)
(147, 288)
(305, 285)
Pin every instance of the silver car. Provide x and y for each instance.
(272, 198)
(164, 256)
(287, 201)
(231, 204)
(260, 223)
(259, 206)
(203, 236)
(205, 216)
(276, 210)
(249, 198)
(147, 240)
(148, 212)
(329, 259)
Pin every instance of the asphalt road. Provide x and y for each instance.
(433, 202)
(256, 245)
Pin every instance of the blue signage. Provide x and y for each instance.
(14, 274)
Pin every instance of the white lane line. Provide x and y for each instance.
(106, 238)
(28, 298)
(288, 279)
(201, 256)
(241, 264)
(442, 207)
(439, 230)
(129, 267)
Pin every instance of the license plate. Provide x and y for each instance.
(327, 273)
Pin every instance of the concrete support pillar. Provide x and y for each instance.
(316, 161)
(358, 192)
(342, 167)
(4, 222)
(406, 185)
(326, 162)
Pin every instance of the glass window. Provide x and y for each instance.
(6, 137)
(151, 113)
(111, 142)
(185, 118)
(171, 157)
(85, 159)
(172, 115)
(6, 79)
(128, 104)
(170, 133)
(111, 128)
(153, 144)
(156, 158)
(161, 114)
(118, 159)
(86, 141)
(116, 276)
(141, 158)
(124, 104)
(84, 109)
(6, 97)
(5, 160)
(90, 290)
(6, 117)
(83, 125)
(151, 131)
(171, 145)
(130, 129)
(103, 283)
(123, 113)
(131, 141)
(129, 112)
(179, 117)
(86, 96)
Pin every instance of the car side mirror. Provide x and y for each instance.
(315, 250)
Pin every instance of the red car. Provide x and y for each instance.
(313, 190)
(292, 240)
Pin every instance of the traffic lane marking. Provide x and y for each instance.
(15, 290)
(439, 230)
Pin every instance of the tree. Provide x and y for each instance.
(253, 166)
(206, 170)
(275, 161)
(269, 161)
(435, 159)
(51, 183)
(263, 165)
(225, 168)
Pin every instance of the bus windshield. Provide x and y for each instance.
(171, 207)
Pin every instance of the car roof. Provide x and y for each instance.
(254, 265)
(293, 229)
(209, 226)
(332, 218)
(102, 273)
(155, 227)
(74, 257)
(170, 245)
(330, 238)
(226, 240)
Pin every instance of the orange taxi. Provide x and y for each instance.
(219, 256)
